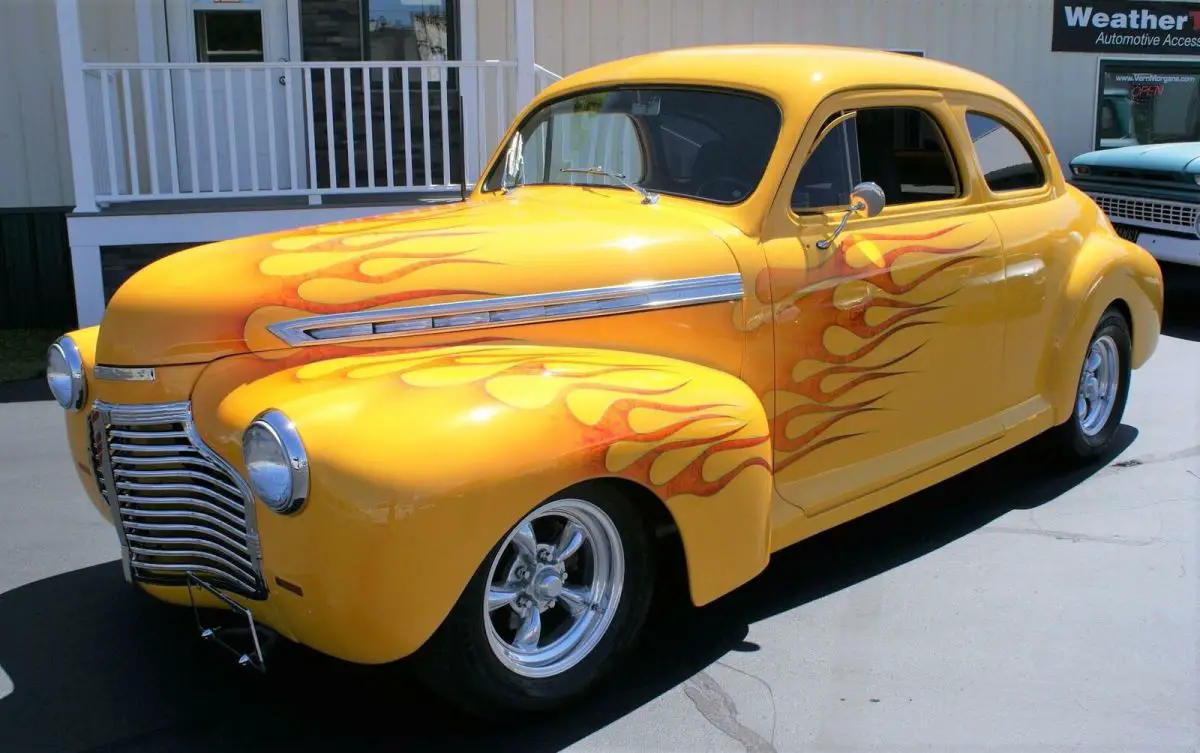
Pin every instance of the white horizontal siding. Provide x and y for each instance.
(35, 161)
(1008, 40)
(35, 169)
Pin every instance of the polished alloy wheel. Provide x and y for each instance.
(1098, 385)
(553, 588)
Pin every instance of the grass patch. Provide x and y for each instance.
(23, 353)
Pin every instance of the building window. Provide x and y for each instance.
(405, 30)
(229, 36)
(383, 30)
(1007, 162)
(1147, 102)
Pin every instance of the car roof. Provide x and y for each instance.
(793, 74)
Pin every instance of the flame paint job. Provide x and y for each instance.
(930, 338)
(514, 423)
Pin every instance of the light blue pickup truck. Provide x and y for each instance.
(1151, 193)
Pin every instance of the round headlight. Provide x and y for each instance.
(64, 373)
(276, 463)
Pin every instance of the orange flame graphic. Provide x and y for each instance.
(810, 298)
(340, 254)
(639, 417)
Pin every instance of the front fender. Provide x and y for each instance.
(1107, 270)
(421, 461)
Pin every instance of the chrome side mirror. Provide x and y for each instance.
(866, 199)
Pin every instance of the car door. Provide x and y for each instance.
(889, 341)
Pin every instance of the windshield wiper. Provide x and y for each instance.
(647, 197)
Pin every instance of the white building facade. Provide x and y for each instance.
(146, 125)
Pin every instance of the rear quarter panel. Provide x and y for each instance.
(1064, 267)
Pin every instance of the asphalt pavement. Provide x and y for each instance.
(1014, 608)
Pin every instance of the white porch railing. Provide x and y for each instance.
(162, 131)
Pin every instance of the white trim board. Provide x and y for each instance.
(206, 227)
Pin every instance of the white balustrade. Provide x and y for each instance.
(162, 131)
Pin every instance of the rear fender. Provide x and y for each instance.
(1106, 271)
(421, 462)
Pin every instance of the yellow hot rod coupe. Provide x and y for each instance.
(736, 295)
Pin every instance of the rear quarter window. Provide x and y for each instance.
(1007, 162)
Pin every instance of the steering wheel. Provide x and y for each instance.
(738, 189)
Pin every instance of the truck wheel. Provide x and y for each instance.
(1101, 393)
(549, 610)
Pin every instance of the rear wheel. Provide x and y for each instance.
(1101, 393)
(550, 608)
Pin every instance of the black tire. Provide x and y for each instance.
(1071, 440)
(459, 663)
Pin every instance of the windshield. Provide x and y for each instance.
(698, 143)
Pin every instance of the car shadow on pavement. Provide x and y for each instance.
(1181, 301)
(25, 391)
(98, 666)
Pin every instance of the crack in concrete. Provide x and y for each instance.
(765, 684)
(719, 708)
(1075, 537)
(1138, 462)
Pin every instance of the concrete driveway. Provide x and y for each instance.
(1011, 609)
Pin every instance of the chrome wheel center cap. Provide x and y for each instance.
(548, 584)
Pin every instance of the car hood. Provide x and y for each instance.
(1170, 158)
(220, 299)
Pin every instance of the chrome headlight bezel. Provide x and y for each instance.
(64, 367)
(272, 453)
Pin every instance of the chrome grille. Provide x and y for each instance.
(180, 508)
(1159, 214)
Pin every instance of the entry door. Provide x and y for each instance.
(233, 122)
(889, 341)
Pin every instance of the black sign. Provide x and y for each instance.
(1147, 28)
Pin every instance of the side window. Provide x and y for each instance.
(831, 171)
(902, 149)
(1007, 161)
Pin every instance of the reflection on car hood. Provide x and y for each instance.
(1176, 157)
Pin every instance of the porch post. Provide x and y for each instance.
(524, 35)
(88, 274)
(468, 36)
(70, 47)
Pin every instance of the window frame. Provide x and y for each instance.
(1037, 141)
(1037, 158)
(496, 162)
(927, 101)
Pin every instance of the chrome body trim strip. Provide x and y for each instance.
(503, 310)
(124, 374)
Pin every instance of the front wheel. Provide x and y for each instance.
(550, 608)
(1101, 393)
